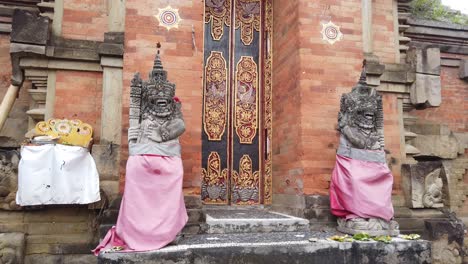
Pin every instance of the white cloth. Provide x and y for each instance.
(57, 174)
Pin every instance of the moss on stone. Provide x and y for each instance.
(434, 10)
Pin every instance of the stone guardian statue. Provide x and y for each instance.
(361, 185)
(152, 211)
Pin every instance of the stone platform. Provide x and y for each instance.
(276, 247)
(223, 221)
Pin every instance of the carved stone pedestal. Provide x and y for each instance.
(371, 226)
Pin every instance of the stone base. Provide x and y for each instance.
(351, 231)
(254, 220)
(277, 247)
(371, 226)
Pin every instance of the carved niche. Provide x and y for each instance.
(425, 184)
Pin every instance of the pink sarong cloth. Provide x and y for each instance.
(361, 189)
(152, 211)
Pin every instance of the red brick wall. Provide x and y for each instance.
(180, 59)
(392, 138)
(454, 108)
(79, 95)
(309, 77)
(84, 19)
(383, 31)
(287, 165)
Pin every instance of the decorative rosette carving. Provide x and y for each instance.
(246, 93)
(215, 96)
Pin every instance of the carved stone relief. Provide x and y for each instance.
(8, 179)
(12, 248)
(425, 184)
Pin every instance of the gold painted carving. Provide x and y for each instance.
(219, 13)
(68, 132)
(215, 96)
(214, 180)
(268, 126)
(248, 19)
(245, 178)
(268, 177)
(246, 182)
(246, 92)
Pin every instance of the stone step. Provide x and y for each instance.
(223, 221)
(195, 216)
(403, 39)
(290, 247)
(403, 28)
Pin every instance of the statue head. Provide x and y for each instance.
(158, 94)
(361, 112)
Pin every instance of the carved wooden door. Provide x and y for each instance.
(236, 134)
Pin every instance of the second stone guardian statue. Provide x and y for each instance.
(361, 184)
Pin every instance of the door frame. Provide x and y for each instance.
(264, 102)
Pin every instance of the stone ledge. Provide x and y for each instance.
(291, 247)
(252, 221)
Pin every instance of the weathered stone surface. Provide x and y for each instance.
(221, 221)
(12, 248)
(114, 37)
(73, 53)
(437, 28)
(111, 49)
(317, 201)
(276, 248)
(424, 60)
(426, 91)
(9, 160)
(28, 27)
(107, 158)
(59, 259)
(447, 236)
(443, 146)
(424, 128)
(193, 201)
(463, 73)
(425, 184)
(110, 188)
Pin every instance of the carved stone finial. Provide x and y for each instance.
(363, 78)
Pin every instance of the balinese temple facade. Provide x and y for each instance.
(260, 83)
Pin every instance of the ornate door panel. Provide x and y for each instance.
(236, 138)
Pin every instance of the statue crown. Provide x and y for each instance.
(158, 80)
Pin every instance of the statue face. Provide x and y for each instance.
(159, 102)
(365, 113)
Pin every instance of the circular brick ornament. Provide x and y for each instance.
(168, 17)
(331, 32)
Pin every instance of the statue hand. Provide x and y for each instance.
(156, 136)
(164, 134)
(133, 133)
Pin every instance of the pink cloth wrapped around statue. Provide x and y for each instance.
(361, 188)
(152, 211)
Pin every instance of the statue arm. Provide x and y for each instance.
(173, 129)
(356, 139)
